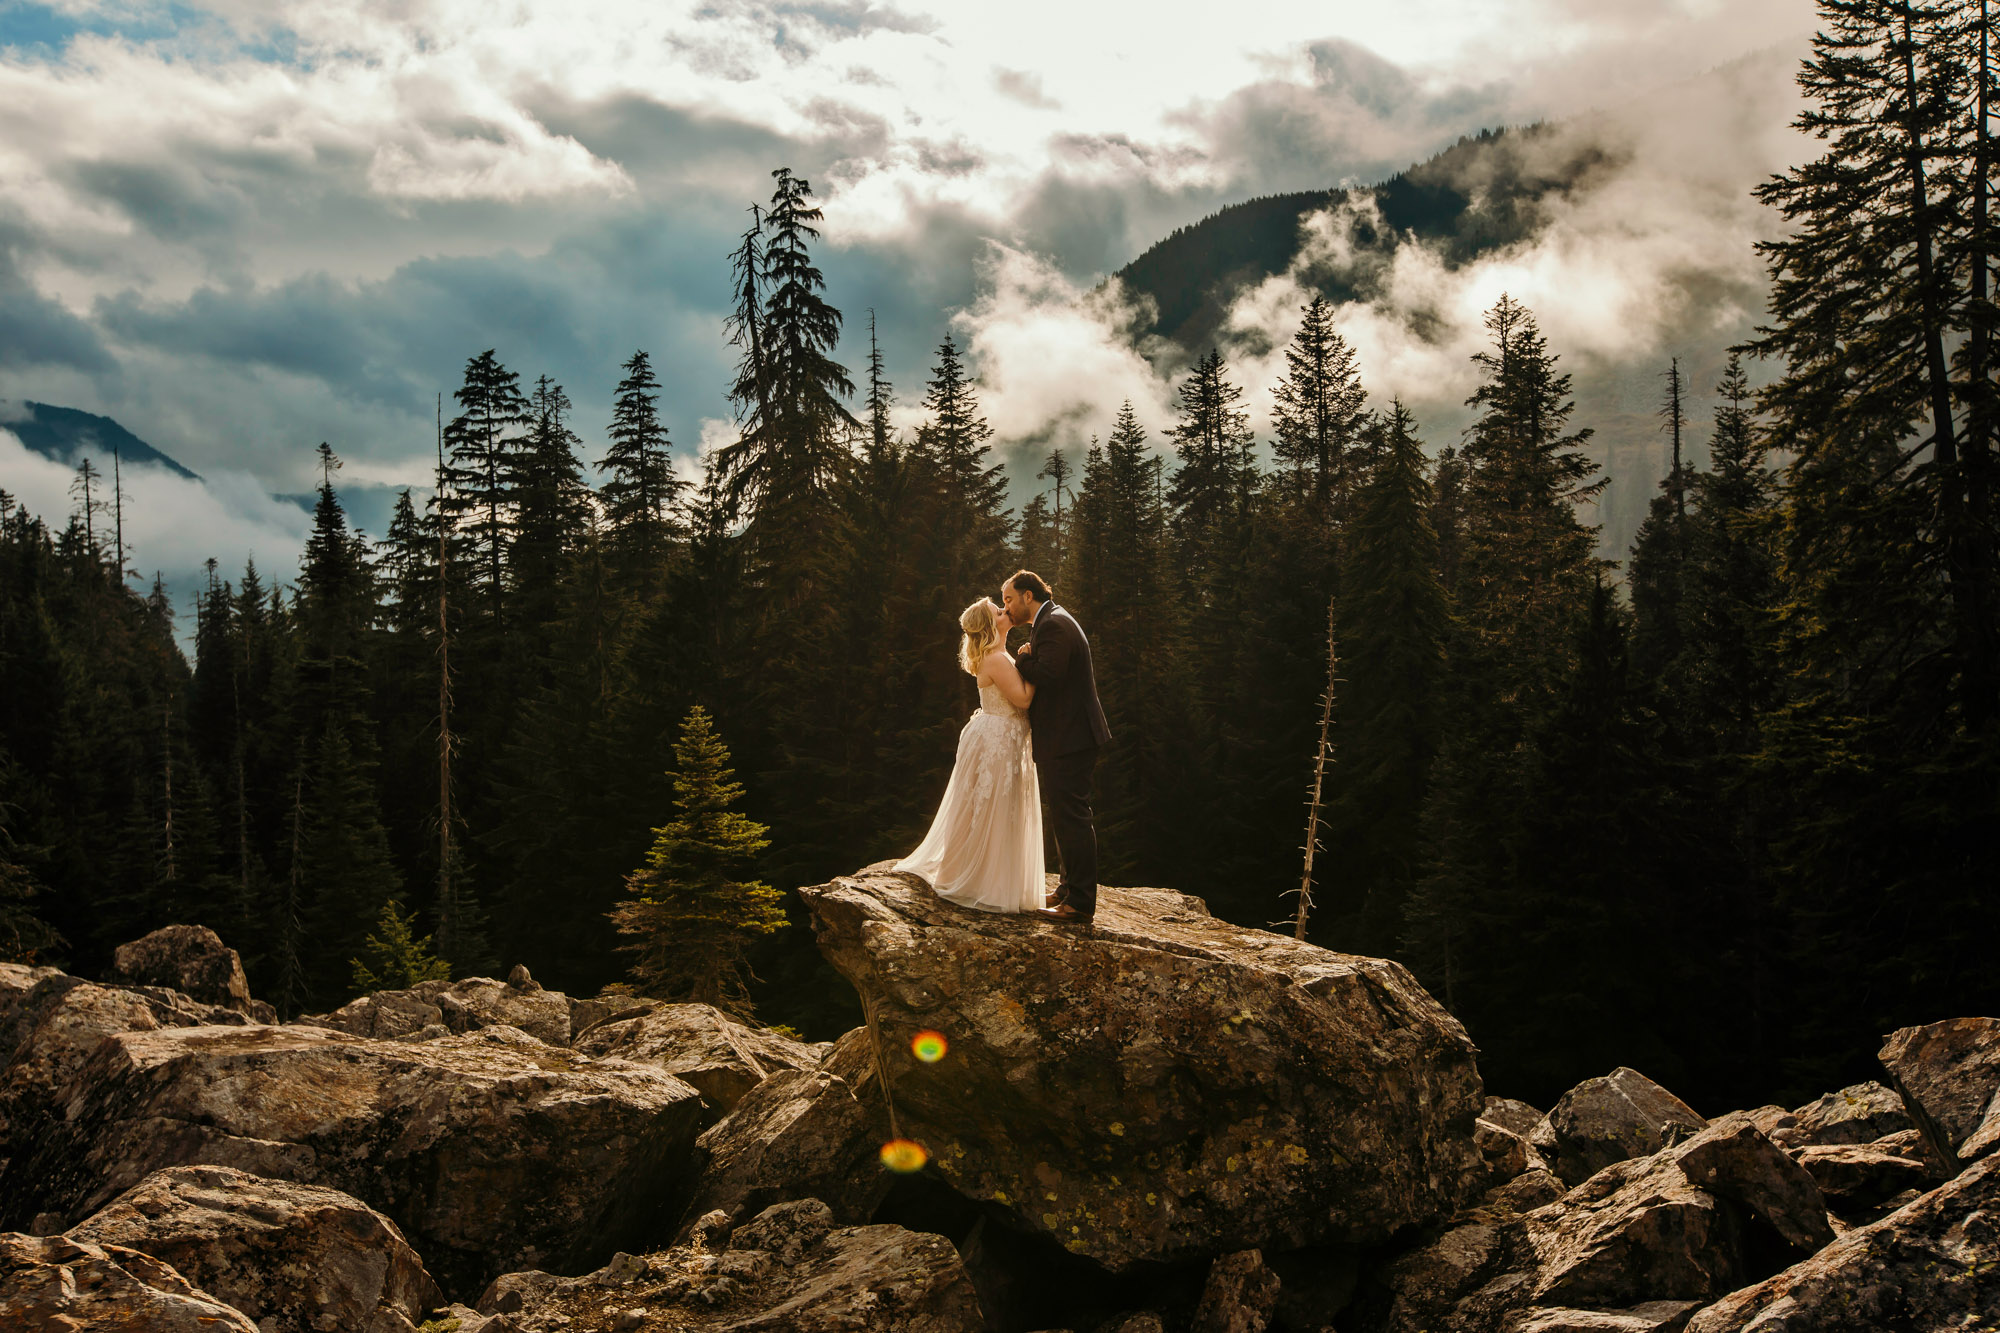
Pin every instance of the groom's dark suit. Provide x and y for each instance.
(1066, 726)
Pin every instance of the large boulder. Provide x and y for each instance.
(465, 1005)
(1163, 1085)
(1951, 1071)
(1858, 1177)
(1240, 1296)
(1679, 1227)
(1860, 1114)
(703, 1047)
(1931, 1265)
(488, 1150)
(790, 1270)
(1611, 1119)
(295, 1258)
(50, 1026)
(801, 1133)
(51, 1284)
(194, 961)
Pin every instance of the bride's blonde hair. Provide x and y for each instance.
(981, 623)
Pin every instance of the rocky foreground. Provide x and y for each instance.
(1165, 1124)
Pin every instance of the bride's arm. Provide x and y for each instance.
(1000, 669)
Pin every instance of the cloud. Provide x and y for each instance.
(173, 524)
(1024, 87)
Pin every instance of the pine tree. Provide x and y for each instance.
(1660, 552)
(1885, 324)
(551, 502)
(1392, 631)
(395, 958)
(1318, 409)
(692, 910)
(969, 521)
(789, 389)
(485, 442)
(642, 493)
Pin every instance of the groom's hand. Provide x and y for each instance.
(1026, 648)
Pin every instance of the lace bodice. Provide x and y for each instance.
(994, 702)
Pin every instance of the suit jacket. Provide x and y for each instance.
(1065, 716)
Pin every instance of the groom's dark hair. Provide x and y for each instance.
(1028, 581)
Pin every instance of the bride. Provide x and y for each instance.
(984, 849)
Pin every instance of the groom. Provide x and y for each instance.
(1066, 725)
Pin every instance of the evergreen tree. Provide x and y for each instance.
(1660, 553)
(395, 958)
(642, 493)
(1317, 410)
(692, 910)
(551, 502)
(1871, 318)
(1392, 620)
(485, 444)
(969, 521)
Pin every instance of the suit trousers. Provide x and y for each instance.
(1065, 784)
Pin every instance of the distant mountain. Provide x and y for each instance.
(61, 433)
(1473, 197)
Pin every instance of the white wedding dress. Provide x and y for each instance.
(984, 849)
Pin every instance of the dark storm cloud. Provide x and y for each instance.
(36, 331)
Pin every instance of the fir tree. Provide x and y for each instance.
(969, 521)
(395, 958)
(484, 441)
(1317, 410)
(692, 910)
(1392, 629)
(642, 493)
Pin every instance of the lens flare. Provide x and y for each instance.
(928, 1046)
(904, 1156)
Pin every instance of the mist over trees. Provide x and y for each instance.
(1722, 810)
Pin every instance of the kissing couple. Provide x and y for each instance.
(1036, 734)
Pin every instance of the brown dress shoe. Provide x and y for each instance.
(1065, 914)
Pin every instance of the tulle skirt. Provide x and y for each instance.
(984, 849)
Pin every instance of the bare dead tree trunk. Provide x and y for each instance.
(447, 916)
(1322, 759)
(167, 780)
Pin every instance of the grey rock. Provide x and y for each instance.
(50, 1284)
(1651, 1317)
(1856, 1177)
(486, 1149)
(1860, 1114)
(194, 961)
(1503, 1154)
(1164, 1085)
(466, 1005)
(719, 1057)
(1510, 1114)
(1952, 1072)
(1934, 1264)
(1612, 1119)
(801, 1134)
(295, 1258)
(788, 1270)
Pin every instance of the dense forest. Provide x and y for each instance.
(1723, 811)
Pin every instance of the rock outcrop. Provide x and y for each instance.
(1165, 1085)
(1951, 1071)
(788, 1270)
(1859, 1114)
(806, 1133)
(1933, 1264)
(1611, 1119)
(1681, 1226)
(433, 1008)
(50, 1284)
(295, 1258)
(719, 1057)
(489, 1149)
(194, 961)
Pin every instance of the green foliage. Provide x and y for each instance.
(692, 910)
(393, 957)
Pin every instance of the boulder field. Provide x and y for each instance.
(1163, 1124)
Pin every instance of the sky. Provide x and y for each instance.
(244, 228)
